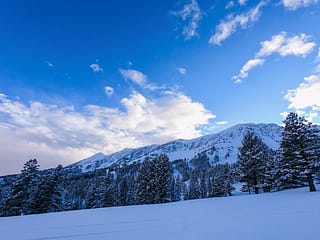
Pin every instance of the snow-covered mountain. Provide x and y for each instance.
(222, 147)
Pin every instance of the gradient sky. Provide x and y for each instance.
(81, 77)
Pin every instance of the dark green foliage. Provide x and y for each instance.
(162, 175)
(49, 194)
(123, 195)
(23, 190)
(183, 167)
(200, 162)
(144, 183)
(194, 187)
(222, 181)
(154, 181)
(203, 185)
(252, 156)
(177, 189)
(300, 151)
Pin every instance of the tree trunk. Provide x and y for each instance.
(256, 189)
(266, 188)
(312, 187)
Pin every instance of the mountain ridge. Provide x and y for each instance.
(220, 147)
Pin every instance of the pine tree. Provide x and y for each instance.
(177, 189)
(23, 191)
(271, 169)
(48, 196)
(222, 181)
(251, 156)
(143, 183)
(123, 196)
(300, 149)
(209, 186)
(161, 176)
(110, 195)
(131, 196)
(194, 187)
(203, 185)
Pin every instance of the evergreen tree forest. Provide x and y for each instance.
(295, 164)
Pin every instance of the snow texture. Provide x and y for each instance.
(291, 214)
(224, 145)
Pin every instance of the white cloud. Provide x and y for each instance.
(244, 71)
(232, 23)
(56, 134)
(230, 4)
(242, 2)
(96, 67)
(109, 90)
(135, 76)
(182, 70)
(294, 4)
(50, 64)
(318, 56)
(192, 14)
(298, 45)
(222, 122)
(138, 78)
(306, 95)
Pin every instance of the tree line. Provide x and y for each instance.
(295, 164)
(158, 180)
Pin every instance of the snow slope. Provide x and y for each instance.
(292, 214)
(224, 145)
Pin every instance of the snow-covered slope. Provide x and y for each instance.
(223, 146)
(292, 214)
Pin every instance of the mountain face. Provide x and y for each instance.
(220, 147)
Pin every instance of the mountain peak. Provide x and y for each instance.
(223, 146)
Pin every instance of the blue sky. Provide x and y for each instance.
(80, 77)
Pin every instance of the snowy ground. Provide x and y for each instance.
(292, 214)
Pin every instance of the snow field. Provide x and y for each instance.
(292, 214)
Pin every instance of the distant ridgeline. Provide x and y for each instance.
(265, 157)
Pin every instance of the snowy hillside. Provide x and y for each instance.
(290, 214)
(222, 146)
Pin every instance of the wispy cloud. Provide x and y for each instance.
(281, 44)
(233, 22)
(134, 76)
(50, 64)
(230, 4)
(96, 67)
(294, 4)
(47, 131)
(318, 56)
(182, 70)
(244, 71)
(109, 90)
(242, 2)
(191, 14)
(138, 78)
(222, 122)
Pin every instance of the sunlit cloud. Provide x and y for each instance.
(281, 44)
(58, 134)
(294, 4)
